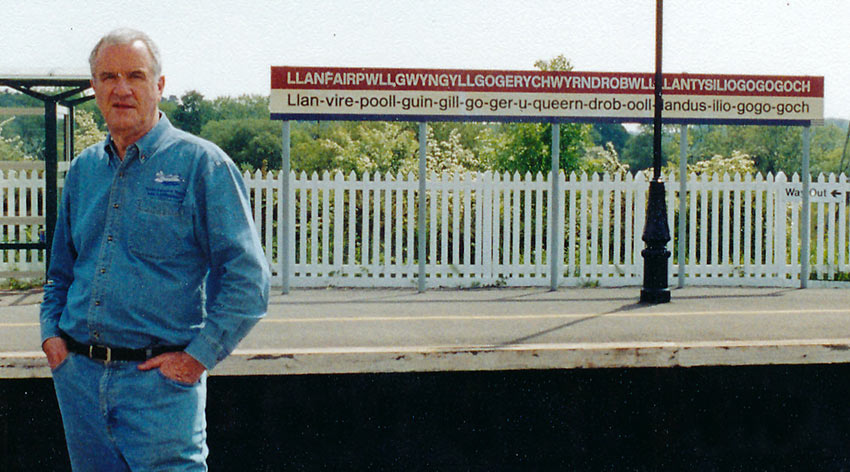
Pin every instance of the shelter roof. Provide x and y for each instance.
(44, 80)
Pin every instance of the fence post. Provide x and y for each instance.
(681, 242)
(555, 254)
(423, 147)
(806, 214)
(286, 224)
(780, 252)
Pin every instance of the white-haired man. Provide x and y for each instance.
(156, 274)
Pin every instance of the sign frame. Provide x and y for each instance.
(386, 94)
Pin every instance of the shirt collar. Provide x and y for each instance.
(147, 144)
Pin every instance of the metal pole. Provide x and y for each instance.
(656, 232)
(682, 245)
(69, 134)
(423, 201)
(555, 243)
(50, 176)
(659, 103)
(286, 223)
(806, 214)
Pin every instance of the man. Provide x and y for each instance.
(156, 274)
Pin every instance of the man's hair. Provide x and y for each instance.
(127, 36)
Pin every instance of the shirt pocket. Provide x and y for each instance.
(161, 230)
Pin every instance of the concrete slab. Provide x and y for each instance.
(327, 331)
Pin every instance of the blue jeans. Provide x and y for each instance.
(118, 418)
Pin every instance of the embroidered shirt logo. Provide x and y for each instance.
(167, 179)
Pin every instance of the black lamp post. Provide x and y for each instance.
(656, 233)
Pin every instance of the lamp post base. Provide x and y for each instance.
(656, 235)
(655, 296)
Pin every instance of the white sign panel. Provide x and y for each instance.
(819, 192)
(326, 93)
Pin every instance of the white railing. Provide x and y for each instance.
(492, 229)
(21, 219)
(22, 216)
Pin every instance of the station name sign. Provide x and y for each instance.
(337, 93)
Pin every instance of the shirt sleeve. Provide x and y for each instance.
(237, 286)
(60, 274)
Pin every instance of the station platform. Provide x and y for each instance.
(347, 331)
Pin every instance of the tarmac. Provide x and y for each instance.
(342, 331)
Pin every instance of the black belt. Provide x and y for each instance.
(108, 354)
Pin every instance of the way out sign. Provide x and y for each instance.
(819, 192)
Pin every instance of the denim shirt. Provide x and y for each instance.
(156, 249)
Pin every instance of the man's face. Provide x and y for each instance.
(126, 90)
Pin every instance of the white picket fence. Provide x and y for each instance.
(492, 229)
(22, 216)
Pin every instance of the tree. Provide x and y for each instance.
(638, 152)
(841, 166)
(604, 160)
(526, 147)
(450, 155)
(557, 63)
(476, 138)
(27, 130)
(169, 107)
(736, 163)
(306, 149)
(264, 147)
(87, 132)
(772, 148)
(243, 106)
(826, 148)
(251, 143)
(91, 108)
(614, 133)
(11, 149)
(192, 113)
(386, 147)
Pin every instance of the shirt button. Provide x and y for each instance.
(109, 238)
(96, 335)
(102, 271)
(115, 205)
(97, 303)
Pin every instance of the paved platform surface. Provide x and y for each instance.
(325, 331)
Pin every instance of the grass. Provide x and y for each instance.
(16, 284)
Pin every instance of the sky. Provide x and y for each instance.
(226, 48)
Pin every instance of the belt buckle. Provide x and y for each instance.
(107, 349)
